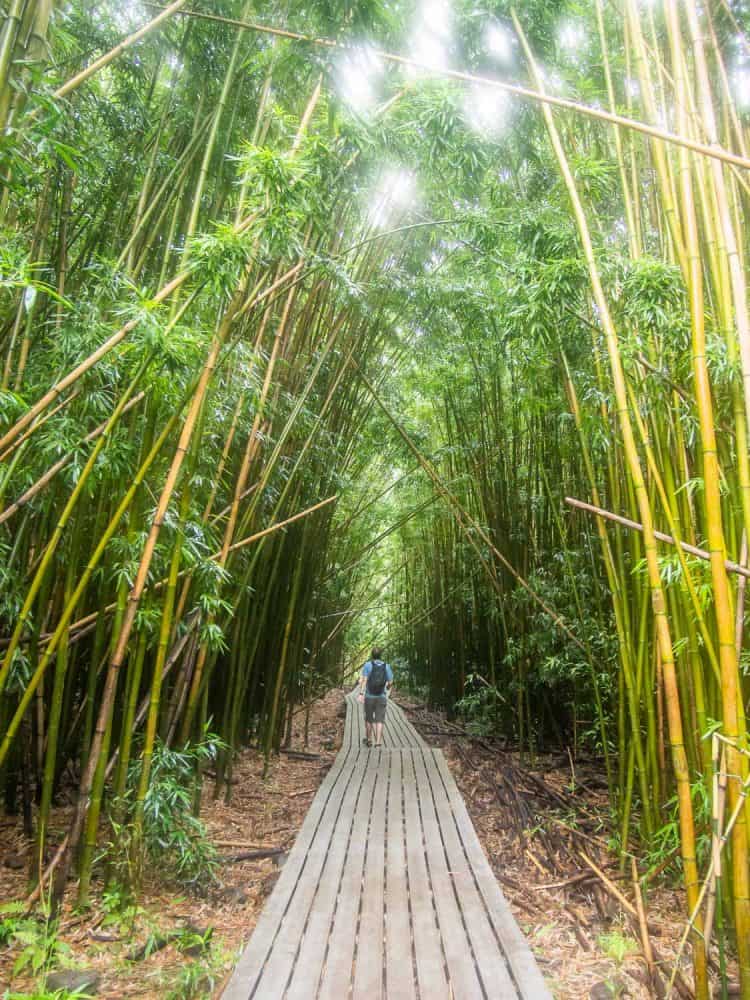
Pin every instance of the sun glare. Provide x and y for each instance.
(486, 110)
(571, 37)
(358, 75)
(499, 42)
(741, 86)
(431, 36)
(394, 194)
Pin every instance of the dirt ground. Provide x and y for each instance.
(543, 824)
(261, 814)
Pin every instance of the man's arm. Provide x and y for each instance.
(362, 682)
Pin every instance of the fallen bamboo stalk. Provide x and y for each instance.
(247, 845)
(610, 886)
(260, 855)
(648, 952)
(573, 880)
(108, 57)
(276, 527)
(626, 522)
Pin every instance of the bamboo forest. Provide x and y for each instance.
(333, 325)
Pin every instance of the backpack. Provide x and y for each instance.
(377, 678)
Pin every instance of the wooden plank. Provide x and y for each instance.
(324, 807)
(281, 960)
(350, 834)
(491, 964)
(411, 736)
(354, 715)
(337, 974)
(526, 973)
(399, 735)
(358, 711)
(394, 723)
(391, 735)
(252, 959)
(457, 947)
(348, 725)
(408, 734)
(427, 946)
(391, 731)
(368, 974)
(400, 972)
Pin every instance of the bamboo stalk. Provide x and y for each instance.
(626, 522)
(74, 82)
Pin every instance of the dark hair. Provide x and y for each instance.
(377, 652)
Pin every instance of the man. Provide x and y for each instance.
(374, 684)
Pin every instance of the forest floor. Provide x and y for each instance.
(542, 824)
(260, 814)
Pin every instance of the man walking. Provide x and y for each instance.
(374, 684)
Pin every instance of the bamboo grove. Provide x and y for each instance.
(263, 399)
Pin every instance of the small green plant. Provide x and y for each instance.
(479, 705)
(618, 946)
(194, 942)
(196, 981)
(120, 908)
(173, 839)
(35, 939)
(11, 920)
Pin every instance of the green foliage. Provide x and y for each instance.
(195, 981)
(618, 946)
(120, 907)
(35, 939)
(479, 706)
(13, 917)
(173, 840)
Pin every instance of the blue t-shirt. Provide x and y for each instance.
(366, 673)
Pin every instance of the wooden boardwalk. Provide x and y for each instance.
(387, 892)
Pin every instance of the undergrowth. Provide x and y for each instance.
(173, 840)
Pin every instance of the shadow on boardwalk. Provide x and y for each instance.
(387, 892)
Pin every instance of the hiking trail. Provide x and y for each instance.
(387, 891)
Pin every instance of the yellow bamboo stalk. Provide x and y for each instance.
(731, 692)
(75, 81)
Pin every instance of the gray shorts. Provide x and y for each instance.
(375, 708)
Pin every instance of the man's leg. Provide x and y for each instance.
(368, 724)
(380, 711)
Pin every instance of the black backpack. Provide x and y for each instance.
(377, 678)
